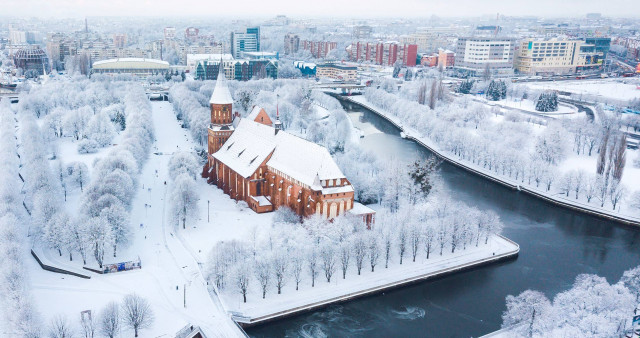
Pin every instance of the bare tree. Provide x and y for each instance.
(280, 265)
(616, 192)
(345, 256)
(60, 328)
(374, 251)
(402, 241)
(387, 241)
(428, 235)
(312, 260)
(359, 251)
(433, 94)
(136, 313)
(619, 157)
(110, 320)
(263, 274)
(328, 257)
(415, 236)
(242, 278)
(297, 261)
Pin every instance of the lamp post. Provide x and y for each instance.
(207, 211)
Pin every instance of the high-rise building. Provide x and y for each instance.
(169, 33)
(119, 40)
(385, 54)
(291, 43)
(319, 49)
(475, 55)
(245, 42)
(191, 34)
(362, 32)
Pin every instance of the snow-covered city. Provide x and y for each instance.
(349, 170)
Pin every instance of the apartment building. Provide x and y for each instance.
(475, 55)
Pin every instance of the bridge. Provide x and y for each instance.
(345, 88)
(157, 93)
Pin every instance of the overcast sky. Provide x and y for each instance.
(309, 8)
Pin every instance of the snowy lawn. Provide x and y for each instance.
(166, 263)
(257, 307)
(605, 89)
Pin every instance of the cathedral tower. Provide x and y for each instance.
(221, 104)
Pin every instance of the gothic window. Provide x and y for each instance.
(333, 212)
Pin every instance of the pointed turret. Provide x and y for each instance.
(221, 93)
(278, 124)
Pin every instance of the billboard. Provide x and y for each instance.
(122, 266)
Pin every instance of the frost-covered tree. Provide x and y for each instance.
(78, 174)
(60, 327)
(373, 246)
(136, 313)
(184, 200)
(242, 278)
(110, 321)
(280, 266)
(328, 259)
(100, 129)
(262, 270)
(312, 263)
(184, 162)
(526, 313)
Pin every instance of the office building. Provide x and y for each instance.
(475, 55)
(245, 42)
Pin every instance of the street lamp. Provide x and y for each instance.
(207, 211)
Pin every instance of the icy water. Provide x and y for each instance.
(556, 245)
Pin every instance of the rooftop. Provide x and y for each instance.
(251, 144)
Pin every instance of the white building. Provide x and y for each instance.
(474, 55)
(194, 59)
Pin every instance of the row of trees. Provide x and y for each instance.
(509, 149)
(103, 223)
(134, 313)
(298, 254)
(591, 308)
(19, 315)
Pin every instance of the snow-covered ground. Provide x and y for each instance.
(602, 90)
(564, 110)
(396, 274)
(167, 264)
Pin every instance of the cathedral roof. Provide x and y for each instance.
(221, 93)
(251, 144)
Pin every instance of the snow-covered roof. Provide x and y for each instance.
(361, 209)
(252, 142)
(262, 201)
(131, 63)
(221, 93)
(197, 57)
(254, 113)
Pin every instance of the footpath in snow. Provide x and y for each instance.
(569, 203)
(167, 265)
(258, 310)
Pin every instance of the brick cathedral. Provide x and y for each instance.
(253, 160)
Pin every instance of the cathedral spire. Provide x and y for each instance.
(221, 94)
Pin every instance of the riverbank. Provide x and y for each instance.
(413, 135)
(323, 294)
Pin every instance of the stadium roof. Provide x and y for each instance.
(131, 63)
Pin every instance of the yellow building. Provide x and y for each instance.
(550, 56)
(337, 72)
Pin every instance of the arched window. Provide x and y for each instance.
(333, 211)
